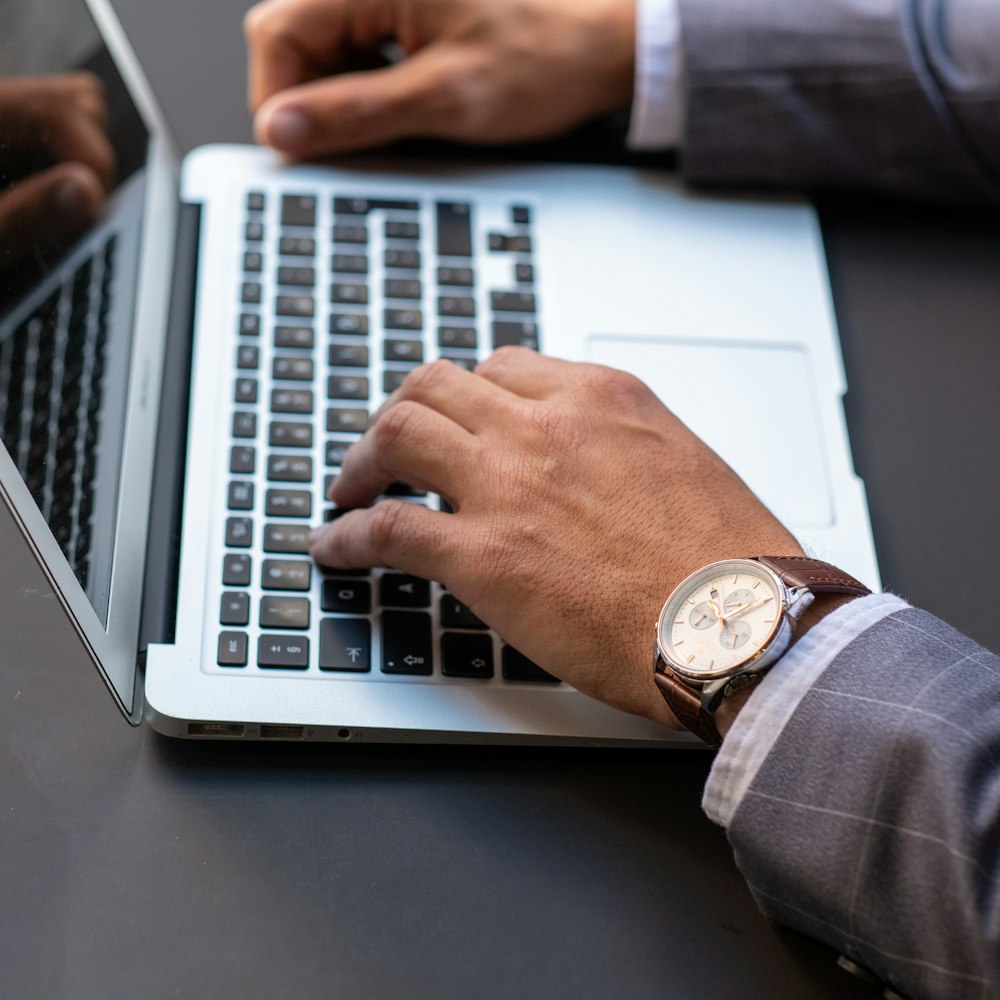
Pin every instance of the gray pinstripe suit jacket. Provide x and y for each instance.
(900, 95)
(874, 823)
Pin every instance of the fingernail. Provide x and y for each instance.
(287, 128)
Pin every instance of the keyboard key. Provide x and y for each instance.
(399, 489)
(254, 232)
(362, 206)
(256, 202)
(349, 293)
(403, 350)
(234, 608)
(346, 232)
(352, 324)
(348, 356)
(524, 273)
(408, 260)
(240, 495)
(399, 590)
(397, 229)
(242, 460)
(244, 424)
(403, 288)
(249, 325)
(292, 369)
(454, 228)
(253, 261)
(392, 379)
(335, 451)
(291, 401)
(297, 246)
(290, 434)
(457, 336)
(303, 306)
(349, 263)
(289, 469)
(406, 643)
(457, 305)
(239, 532)
(283, 652)
(461, 276)
(287, 538)
(288, 503)
(523, 334)
(345, 644)
(347, 387)
(232, 649)
(304, 277)
(466, 361)
(247, 357)
(520, 215)
(517, 667)
(518, 243)
(512, 302)
(246, 390)
(286, 574)
(346, 420)
(250, 292)
(236, 570)
(298, 210)
(294, 336)
(349, 597)
(466, 655)
(284, 612)
(403, 319)
(454, 614)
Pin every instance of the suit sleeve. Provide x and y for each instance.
(873, 821)
(888, 95)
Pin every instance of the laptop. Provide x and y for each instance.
(178, 383)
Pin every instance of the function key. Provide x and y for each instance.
(399, 590)
(286, 574)
(298, 210)
(346, 420)
(283, 652)
(290, 434)
(236, 570)
(256, 202)
(512, 302)
(347, 387)
(517, 667)
(234, 608)
(406, 643)
(346, 597)
(292, 369)
(291, 401)
(520, 215)
(303, 306)
(289, 469)
(300, 276)
(286, 538)
(294, 336)
(345, 232)
(297, 246)
(288, 503)
(454, 228)
(232, 649)
(345, 644)
(348, 356)
(284, 612)
(240, 495)
(466, 655)
(349, 324)
(397, 229)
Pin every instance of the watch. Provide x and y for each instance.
(727, 624)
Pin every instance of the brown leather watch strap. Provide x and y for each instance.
(820, 577)
(686, 705)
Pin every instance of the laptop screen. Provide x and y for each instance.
(72, 157)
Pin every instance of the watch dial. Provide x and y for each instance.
(720, 617)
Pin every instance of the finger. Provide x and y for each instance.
(48, 208)
(525, 372)
(412, 443)
(291, 42)
(78, 138)
(358, 110)
(406, 536)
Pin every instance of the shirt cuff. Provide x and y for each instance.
(658, 105)
(760, 721)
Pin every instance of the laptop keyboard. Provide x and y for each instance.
(51, 370)
(339, 299)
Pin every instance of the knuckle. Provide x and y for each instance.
(610, 383)
(394, 425)
(385, 523)
(427, 378)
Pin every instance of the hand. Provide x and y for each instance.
(55, 157)
(580, 502)
(483, 71)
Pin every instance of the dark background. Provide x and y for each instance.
(135, 866)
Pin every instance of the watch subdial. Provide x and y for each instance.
(734, 635)
(737, 599)
(702, 616)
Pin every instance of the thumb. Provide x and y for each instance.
(356, 110)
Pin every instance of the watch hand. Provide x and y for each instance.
(740, 612)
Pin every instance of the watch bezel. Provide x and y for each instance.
(777, 640)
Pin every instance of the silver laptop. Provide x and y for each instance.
(177, 385)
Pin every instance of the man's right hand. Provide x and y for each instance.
(481, 71)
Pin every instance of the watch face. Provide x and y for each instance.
(720, 618)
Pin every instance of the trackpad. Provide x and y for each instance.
(753, 403)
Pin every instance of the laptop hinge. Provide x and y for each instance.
(159, 599)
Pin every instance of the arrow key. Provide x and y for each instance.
(406, 643)
(345, 644)
(466, 655)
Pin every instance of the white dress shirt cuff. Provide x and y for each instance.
(658, 105)
(775, 699)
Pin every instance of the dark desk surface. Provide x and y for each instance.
(133, 866)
